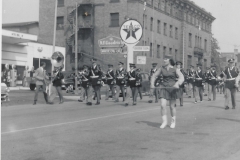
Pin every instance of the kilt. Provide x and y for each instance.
(96, 81)
(230, 84)
(169, 93)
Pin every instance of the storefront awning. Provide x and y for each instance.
(13, 37)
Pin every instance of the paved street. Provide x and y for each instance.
(74, 131)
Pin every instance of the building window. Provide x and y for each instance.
(145, 21)
(60, 23)
(170, 51)
(151, 24)
(200, 44)
(60, 3)
(196, 41)
(165, 29)
(176, 33)
(151, 2)
(190, 40)
(114, 19)
(189, 62)
(205, 45)
(164, 51)
(158, 51)
(205, 63)
(114, 1)
(151, 51)
(159, 4)
(145, 45)
(170, 31)
(176, 54)
(158, 26)
(171, 9)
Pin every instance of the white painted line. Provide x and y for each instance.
(84, 120)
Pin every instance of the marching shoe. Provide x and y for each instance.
(209, 99)
(226, 108)
(80, 100)
(173, 123)
(181, 105)
(97, 103)
(89, 103)
(50, 103)
(156, 101)
(233, 107)
(35, 102)
(195, 102)
(126, 104)
(61, 102)
(116, 101)
(164, 123)
(189, 96)
(134, 103)
(150, 101)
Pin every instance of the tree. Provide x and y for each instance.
(215, 56)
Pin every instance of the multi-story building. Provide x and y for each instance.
(176, 27)
(225, 56)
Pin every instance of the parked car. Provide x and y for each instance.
(4, 93)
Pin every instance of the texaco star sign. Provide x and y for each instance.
(131, 31)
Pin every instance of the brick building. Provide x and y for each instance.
(176, 27)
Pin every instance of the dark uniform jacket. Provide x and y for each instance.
(85, 79)
(191, 76)
(121, 78)
(110, 77)
(152, 71)
(199, 78)
(6, 77)
(185, 78)
(213, 78)
(207, 77)
(231, 74)
(95, 75)
(138, 80)
(131, 76)
(57, 81)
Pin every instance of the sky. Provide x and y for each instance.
(226, 27)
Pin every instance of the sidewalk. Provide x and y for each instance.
(18, 88)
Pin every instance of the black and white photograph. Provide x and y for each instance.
(120, 80)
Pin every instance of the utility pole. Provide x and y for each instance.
(76, 49)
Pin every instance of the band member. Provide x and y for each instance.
(103, 82)
(96, 79)
(232, 78)
(181, 87)
(57, 83)
(153, 91)
(191, 81)
(40, 75)
(110, 76)
(213, 83)
(169, 89)
(199, 83)
(132, 82)
(120, 81)
(139, 82)
(81, 89)
(86, 84)
(206, 80)
(6, 78)
(221, 83)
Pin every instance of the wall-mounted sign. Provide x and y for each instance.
(131, 31)
(112, 45)
(141, 60)
(141, 48)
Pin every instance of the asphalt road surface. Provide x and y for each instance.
(110, 131)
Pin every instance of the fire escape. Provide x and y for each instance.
(85, 21)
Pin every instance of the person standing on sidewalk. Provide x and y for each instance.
(169, 89)
(87, 85)
(181, 87)
(132, 82)
(191, 81)
(139, 82)
(213, 83)
(206, 80)
(232, 78)
(153, 91)
(40, 75)
(199, 83)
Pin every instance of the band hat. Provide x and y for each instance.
(178, 63)
(213, 66)
(154, 64)
(168, 56)
(191, 66)
(199, 65)
(207, 68)
(132, 65)
(231, 60)
(120, 63)
(85, 66)
(110, 65)
(94, 60)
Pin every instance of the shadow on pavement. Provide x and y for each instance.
(227, 119)
(152, 124)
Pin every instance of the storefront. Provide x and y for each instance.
(21, 50)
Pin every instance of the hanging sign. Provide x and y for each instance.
(141, 60)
